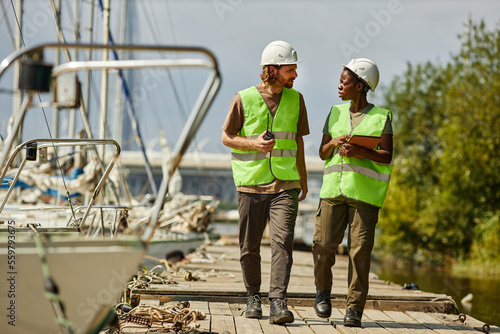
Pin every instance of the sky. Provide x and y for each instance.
(326, 34)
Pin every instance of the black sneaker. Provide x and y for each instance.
(323, 304)
(279, 313)
(352, 318)
(254, 306)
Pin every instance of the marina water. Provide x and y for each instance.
(485, 290)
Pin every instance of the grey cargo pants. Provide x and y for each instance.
(281, 211)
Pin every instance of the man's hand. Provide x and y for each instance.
(263, 145)
(247, 144)
(303, 192)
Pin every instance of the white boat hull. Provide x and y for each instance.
(186, 243)
(89, 274)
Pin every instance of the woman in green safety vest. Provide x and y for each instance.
(355, 181)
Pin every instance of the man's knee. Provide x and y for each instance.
(324, 251)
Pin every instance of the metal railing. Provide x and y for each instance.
(62, 143)
(198, 112)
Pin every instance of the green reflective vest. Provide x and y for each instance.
(254, 167)
(357, 178)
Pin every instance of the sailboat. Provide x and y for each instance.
(66, 283)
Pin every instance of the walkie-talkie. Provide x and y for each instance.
(268, 135)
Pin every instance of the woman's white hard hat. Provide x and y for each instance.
(366, 70)
(279, 53)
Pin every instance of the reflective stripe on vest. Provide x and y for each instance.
(255, 167)
(357, 178)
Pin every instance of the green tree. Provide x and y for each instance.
(446, 182)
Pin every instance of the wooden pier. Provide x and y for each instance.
(211, 282)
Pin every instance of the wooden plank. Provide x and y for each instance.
(146, 299)
(235, 287)
(149, 302)
(382, 320)
(203, 325)
(271, 329)
(470, 325)
(349, 330)
(439, 306)
(480, 325)
(321, 326)
(432, 323)
(222, 323)
(395, 328)
(266, 327)
(132, 329)
(250, 326)
(367, 325)
(337, 314)
(306, 312)
(299, 326)
(221, 295)
(201, 306)
(217, 308)
(238, 309)
(318, 325)
(376, 315)
(407, 323)
(244, 325)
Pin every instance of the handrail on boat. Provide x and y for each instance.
(7, 62)
(63, 143)
(198, 113)
(101, 208)
(111, 64)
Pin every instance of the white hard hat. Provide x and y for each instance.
(366, 70)
(279, 53)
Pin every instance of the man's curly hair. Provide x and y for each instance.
(268, 77)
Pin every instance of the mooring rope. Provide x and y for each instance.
(175, 318)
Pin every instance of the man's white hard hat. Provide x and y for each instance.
(366, 70)
(279, 53)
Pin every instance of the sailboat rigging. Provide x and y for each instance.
(107, 257)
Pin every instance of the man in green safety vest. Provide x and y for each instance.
(264, 129)
(355, 182)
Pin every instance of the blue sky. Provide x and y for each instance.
(325, 34)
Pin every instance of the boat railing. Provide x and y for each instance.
(32, 146)
(113, 224)
(194, 120)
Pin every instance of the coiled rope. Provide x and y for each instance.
(175, 318)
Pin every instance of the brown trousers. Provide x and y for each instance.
(332, 220)
(255, 210)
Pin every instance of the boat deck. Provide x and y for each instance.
(211, 281)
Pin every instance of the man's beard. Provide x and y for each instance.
(286, 84)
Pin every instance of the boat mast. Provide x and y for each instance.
(130, 108)
(17, 94)
(85, 113)
(57, 61)
(72, 111)
(119, 92)
(104, 75)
